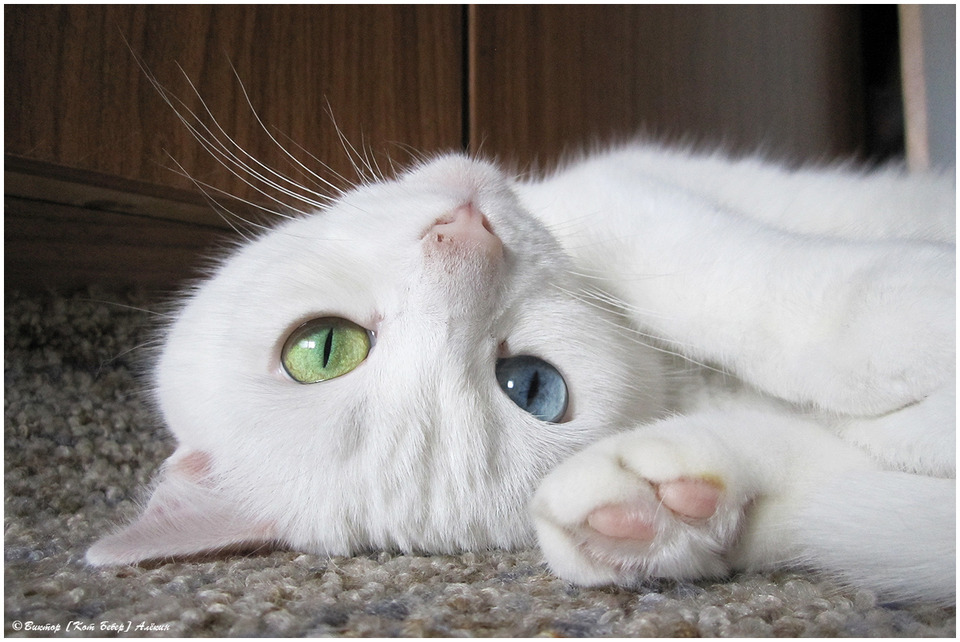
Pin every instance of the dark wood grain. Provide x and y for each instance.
(53, 246)
(75, 95)
(551, 78)
(91, 145)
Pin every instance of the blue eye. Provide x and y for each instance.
(534, 385)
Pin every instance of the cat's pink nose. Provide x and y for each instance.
(465, 228)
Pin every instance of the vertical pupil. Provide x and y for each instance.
(327, 347)
(534, 387)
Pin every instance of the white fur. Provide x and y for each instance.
(828, 297)
(832, 290)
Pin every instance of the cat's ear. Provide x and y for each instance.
(187, 514)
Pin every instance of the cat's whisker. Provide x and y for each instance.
(603, 300)
(600, 294)
(369, 160)
(339, 191)
(591, 297)
(206, 189)
(418, 156)
(221, 151)
(365, 147)
(126, 306)
(216, 154)
(381, 177)
(393, 167)
(642, 338)
(268, 210)
(216, 148)
(596, 276)
(152, 344)
(212, 143)
(297, 162)
(352, 154)
(225, 214)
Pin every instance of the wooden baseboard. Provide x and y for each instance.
(66, 229)
(61, 247)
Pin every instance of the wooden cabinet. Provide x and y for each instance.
(781, 78)
(94, 157)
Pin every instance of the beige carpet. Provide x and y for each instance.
(80, 442)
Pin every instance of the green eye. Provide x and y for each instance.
(323, 349)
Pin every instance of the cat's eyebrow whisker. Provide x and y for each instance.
(297, 162)
(214, 145)
(221, 151)
(310, 173)
(227, 215)
(352, 154)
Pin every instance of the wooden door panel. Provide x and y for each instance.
(93, 193)
(76, 97)
(551, 78)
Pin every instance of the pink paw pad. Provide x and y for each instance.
(622, 522)
(691, 498)
(688, 498)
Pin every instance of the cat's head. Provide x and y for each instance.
(397, 371)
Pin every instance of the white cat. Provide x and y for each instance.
(750, 367)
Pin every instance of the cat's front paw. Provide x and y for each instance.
(640, 505)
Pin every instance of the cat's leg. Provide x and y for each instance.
(832, 201)
(859, 328)
(856, 329)
(696, 496)
(919, 438)
(889, 531)
(675, 499)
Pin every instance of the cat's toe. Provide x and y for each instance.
(603, 517)
(622, 521)
(688, 499)
(691, 498)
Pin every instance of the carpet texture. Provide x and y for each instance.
(80, 443)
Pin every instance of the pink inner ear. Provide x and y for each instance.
(196, 465)
(188, 513)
